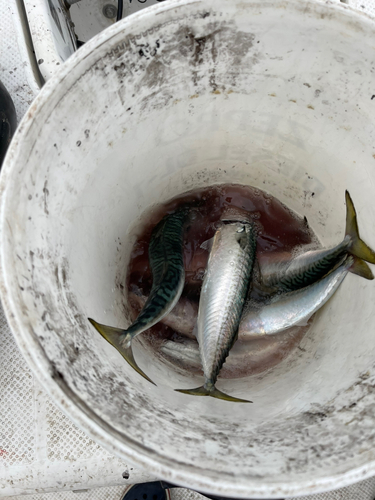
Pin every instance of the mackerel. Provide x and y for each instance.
(222, 298)
(168, 275)
(309, 267)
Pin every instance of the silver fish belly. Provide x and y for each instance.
(222, 299)
(295, 308)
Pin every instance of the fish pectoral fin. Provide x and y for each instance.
(360, 268)
(121, 340)
(213, 393)
(358, 247)
(207, 244)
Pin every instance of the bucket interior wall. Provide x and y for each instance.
(206, 93)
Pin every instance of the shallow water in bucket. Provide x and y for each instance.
(280, 234)
(186, 95)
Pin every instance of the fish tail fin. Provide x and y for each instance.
(360, 268)
(358, 247)
(213, 393)
(121, 340)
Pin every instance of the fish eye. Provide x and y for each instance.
(241, 229)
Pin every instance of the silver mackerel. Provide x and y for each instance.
(222, 299)
(277, 313)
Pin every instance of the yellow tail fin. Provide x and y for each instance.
(121, 340)
(360, 268)
(213, 393)
(358, 247)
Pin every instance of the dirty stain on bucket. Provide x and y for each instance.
(185, 95)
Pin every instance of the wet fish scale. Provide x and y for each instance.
(222, 299)
(166, 262)
(295, 278)
(309, 267)
(223, 318)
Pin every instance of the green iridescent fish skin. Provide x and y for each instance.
(282, 311)
(309, 267)
(167, 266)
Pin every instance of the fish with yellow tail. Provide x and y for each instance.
(278, 313)
(309, 267)
(222, 299)
(168, 278)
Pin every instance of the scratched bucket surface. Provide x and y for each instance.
(183, 95)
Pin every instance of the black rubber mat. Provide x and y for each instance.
(147, 491)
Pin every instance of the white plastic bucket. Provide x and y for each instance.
(186, 94)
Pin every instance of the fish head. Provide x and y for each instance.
(236, 214)
(243, 233)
